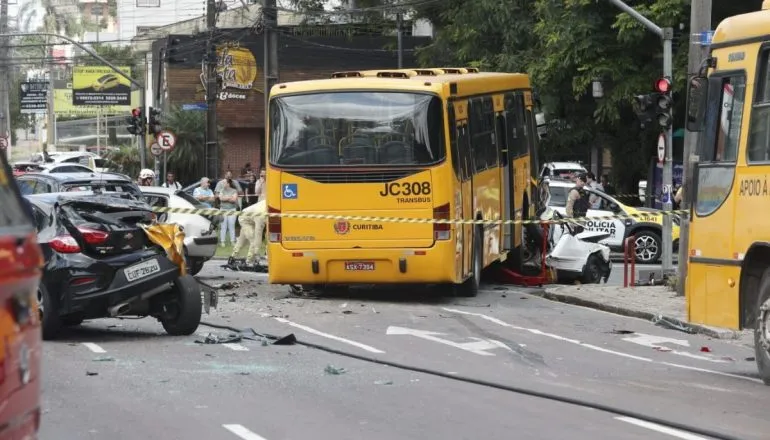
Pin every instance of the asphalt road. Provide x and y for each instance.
(125, 379)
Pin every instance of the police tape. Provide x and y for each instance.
(370, 219)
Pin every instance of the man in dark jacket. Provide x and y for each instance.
(577, 201)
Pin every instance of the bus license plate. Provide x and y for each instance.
(142, 270)
(359, 265)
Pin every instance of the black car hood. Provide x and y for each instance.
(119, 203)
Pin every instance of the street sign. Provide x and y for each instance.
(155, 149)
(33, 96)
(661, 148)
(166, 139)
(3, 143)
(195, 107)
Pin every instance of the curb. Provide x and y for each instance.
(712, 332)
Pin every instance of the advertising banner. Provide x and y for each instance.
(100, 85)
(62, 103)
(33, 96)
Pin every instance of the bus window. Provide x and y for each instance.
(759, 138)
(515, 126)
(723, 128)
(482, 128)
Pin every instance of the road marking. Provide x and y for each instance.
(326, 335)
(93, 347)
(657, 341)
(236, 347)
(242, 432)
(478, 347)
(660, 428)
(594, 347)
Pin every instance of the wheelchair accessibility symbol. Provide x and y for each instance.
(289, 190)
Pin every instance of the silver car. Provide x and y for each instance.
(200, 232)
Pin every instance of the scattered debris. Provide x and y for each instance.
(228, 285)
(114, 326)
(244, 373)
(383, 382)
(104, 359)
(504, 296)
(622, 332)
(663, 349)
(665, 322)
(343, 305)
(91, 373)
(331, 369)
(751, 359)
(727, 358)
(347, 312)
(523, 297)
(215, 339)
(289, 339)
(164, 380)
(705, 349)
(210, 355)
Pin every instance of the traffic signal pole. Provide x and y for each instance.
(667, 36)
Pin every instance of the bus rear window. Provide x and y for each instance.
(356, 128)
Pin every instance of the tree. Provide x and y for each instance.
(126, 158)
(187, 159)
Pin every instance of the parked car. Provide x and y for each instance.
(100, 263)
(21, 262)
(562, 170)
(43, 183)
(200, 231)
(646, 225)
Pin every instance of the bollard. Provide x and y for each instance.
(629, 258)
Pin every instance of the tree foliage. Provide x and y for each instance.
(187, 159)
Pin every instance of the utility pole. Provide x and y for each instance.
(212, 141)
(400, 33)
(667, 36)
(5, 98)
(270, 14)
(700, 21)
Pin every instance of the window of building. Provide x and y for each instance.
(759, 138)
(147, 3)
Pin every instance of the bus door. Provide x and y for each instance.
(516, 134)
(712, 262)
(461, 150)
(506, 173)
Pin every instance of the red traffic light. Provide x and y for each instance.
(663, 85)
(136, 112)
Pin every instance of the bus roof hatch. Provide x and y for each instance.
(347, 74)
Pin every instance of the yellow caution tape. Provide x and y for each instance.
(358, 218)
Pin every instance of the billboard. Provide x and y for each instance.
(33, 96)
(100, 85)
(62, 103)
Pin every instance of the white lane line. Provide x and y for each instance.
(93, 347)
(660, 428)
(594, 347)
(326, 335)
(242, 432)
(236, 347)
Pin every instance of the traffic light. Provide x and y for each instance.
(663, 103)
(154, 127)
(136, 122)
(645, 108)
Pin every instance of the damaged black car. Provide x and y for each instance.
(99, 263)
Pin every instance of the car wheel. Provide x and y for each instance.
(592, 272)
(194, 265)
(471, 286)
(184, 313)
(648, 246)
(49, 318)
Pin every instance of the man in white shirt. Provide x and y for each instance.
(595, 201)
(171, 182)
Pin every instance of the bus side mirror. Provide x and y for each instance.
(696, 103)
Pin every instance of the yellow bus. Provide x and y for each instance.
(412, 144)
(728, 269)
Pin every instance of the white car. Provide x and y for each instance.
(645, 225)
(200, 240)
(561, 170)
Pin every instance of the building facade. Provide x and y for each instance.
(240, 107)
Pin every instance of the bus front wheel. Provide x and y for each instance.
(762, 328)
(471, 286)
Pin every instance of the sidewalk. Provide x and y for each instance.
(657, 304)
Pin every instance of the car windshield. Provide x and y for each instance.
(356, 128)
(559, 196)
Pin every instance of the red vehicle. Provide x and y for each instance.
(21, 263)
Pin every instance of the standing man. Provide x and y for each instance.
(203, 193)
(252, 221)
(577, 201)
(260, 189)
(595, 201)
(171, 181)
(235, 184)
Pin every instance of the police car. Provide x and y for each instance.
(646, 224)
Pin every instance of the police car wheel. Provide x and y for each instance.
(648, 247)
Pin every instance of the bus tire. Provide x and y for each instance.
(762, 328)
(470, 287)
